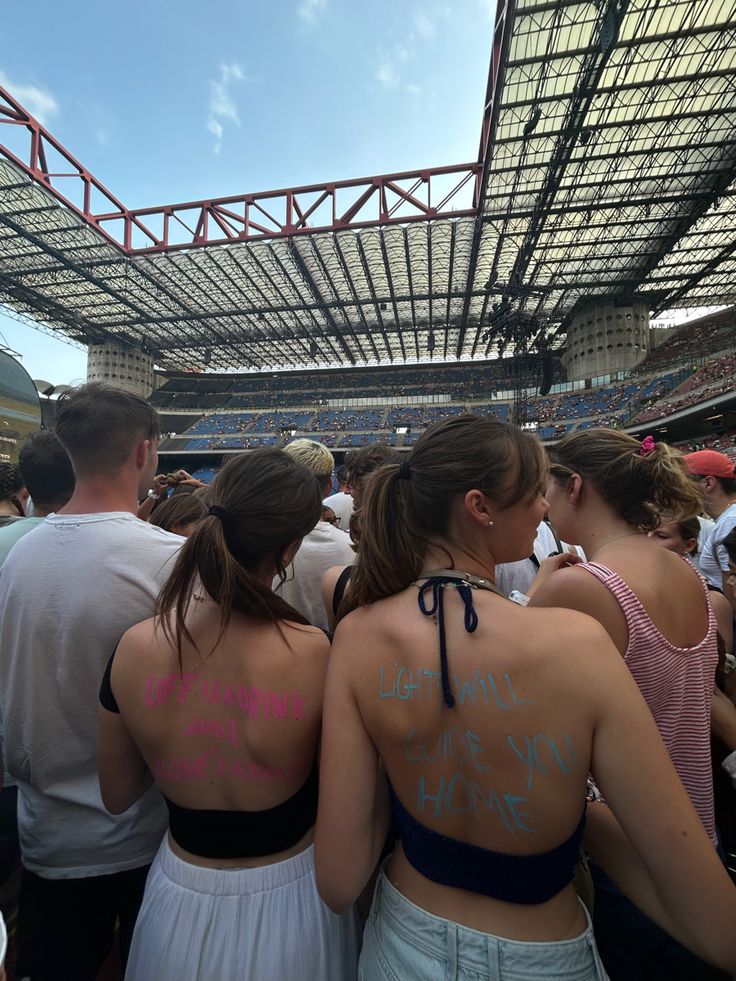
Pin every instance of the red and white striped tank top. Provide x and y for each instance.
(677, 685)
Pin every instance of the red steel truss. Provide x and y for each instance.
(370, 201)
(402, 198)
(359, 203)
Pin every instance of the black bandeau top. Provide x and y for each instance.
(235, 834)
(524, 879)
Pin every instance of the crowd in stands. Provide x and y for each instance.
(706, 383)
(614, 405)
(463, 381)
(602, 402)
(694, 341)
(722, 442)
(198, 766)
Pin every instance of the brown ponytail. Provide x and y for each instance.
(407, 507)
(263, 502)
(640, 483)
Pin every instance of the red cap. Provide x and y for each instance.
(709, 463)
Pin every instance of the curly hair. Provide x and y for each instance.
(11, 483)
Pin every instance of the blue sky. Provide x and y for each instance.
(174, 101)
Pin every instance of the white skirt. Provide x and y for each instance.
(263, 924)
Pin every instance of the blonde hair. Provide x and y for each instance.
(313, 455)
(640, 485)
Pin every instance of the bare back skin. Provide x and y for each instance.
(504, 769)
(235, 729)
(668, 588)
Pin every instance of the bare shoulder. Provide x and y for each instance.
(572, 588)
(361, 633)
(138, 640)
(330, 577)
(571, 640)
(565, 625)
(307, 639)
(379, 618)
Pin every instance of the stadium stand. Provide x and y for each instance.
(693, 343)
(399, 423)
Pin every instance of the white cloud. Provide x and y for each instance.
(414, 89)
(308, 9)
(222, 105)
(39, 102)
(424, 26)
(387, 75)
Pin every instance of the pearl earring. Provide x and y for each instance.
(490, 524)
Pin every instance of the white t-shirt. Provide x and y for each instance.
(520, 575)
(706, 527)
(342, 505)
(9, 535)
(713, 559)
(68, 592)
(322, 548)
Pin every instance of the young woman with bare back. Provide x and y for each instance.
(218, 699)
(476, 722)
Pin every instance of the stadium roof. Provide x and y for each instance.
(606, 166)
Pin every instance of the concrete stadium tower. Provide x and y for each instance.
(121, 366)
(605, 337)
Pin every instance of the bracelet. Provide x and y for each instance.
(521, 599)
(153, 495)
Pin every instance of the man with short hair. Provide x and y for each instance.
(324, 546)
(48, 477)
(47, 474)
(341, 502)
(715, 472)
(68, 591)
(360, 463)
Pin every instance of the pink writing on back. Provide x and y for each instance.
(176, 770)
(259, 703)
(160, 690)
(211, 727)
(198, 768)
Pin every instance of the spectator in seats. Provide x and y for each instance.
(46, 473)
(435, 690)
(605, 492)
(219, 699)
(68, 591)
(13, 495)
(181, 513)
(715, 473)
(341, 502)
(324, 546)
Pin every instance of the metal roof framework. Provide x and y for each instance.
(606, 167)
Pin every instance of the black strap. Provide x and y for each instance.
(107, 698)
(556, 537)
(340, 586)
(465, 591)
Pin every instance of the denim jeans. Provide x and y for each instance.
(405, 943)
